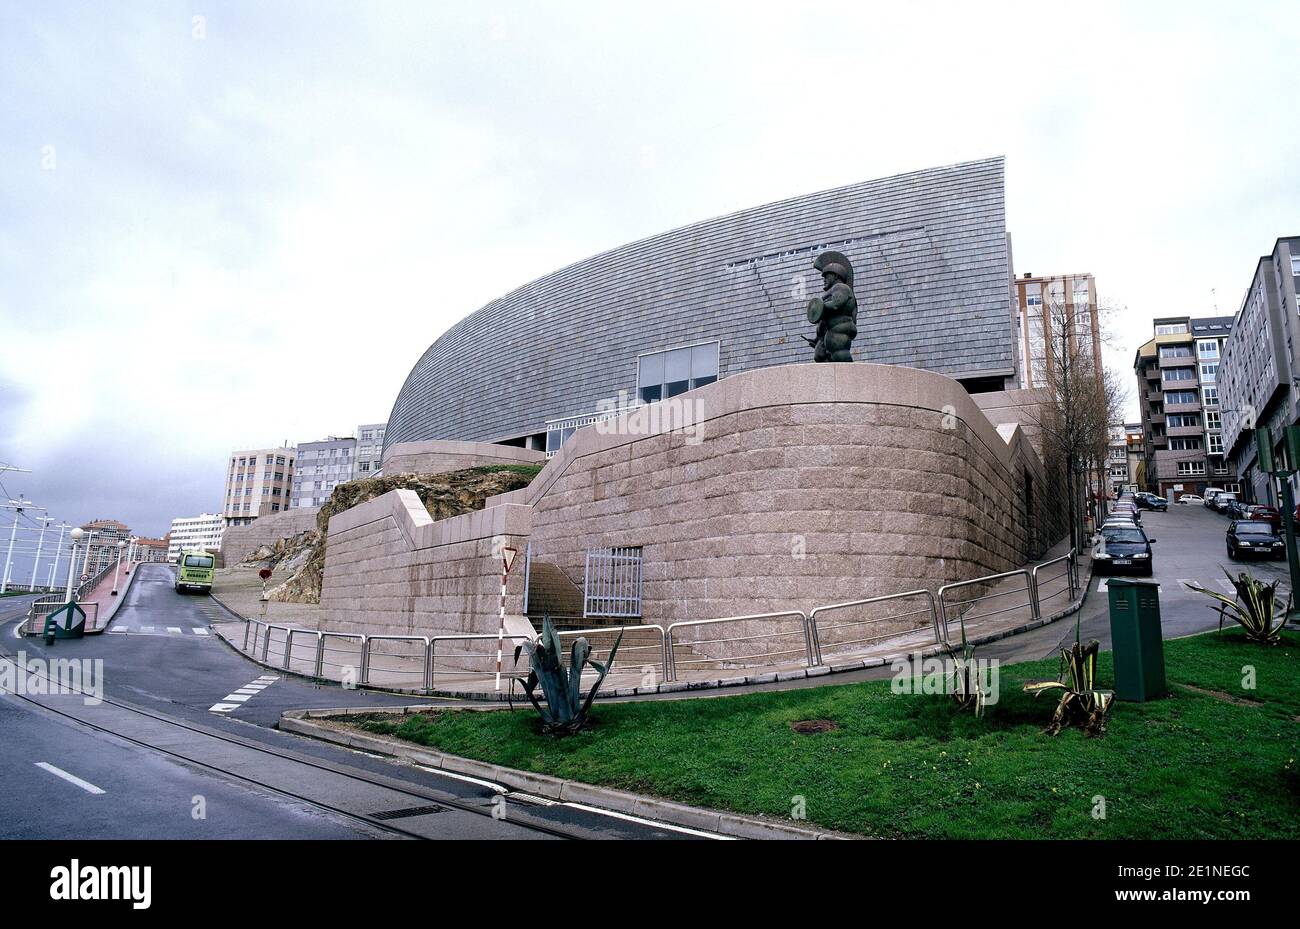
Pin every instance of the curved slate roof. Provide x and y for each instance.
(933, 274)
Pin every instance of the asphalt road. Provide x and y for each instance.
(165, 665)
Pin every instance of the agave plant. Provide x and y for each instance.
(566, 710)
(1255, 608)
(965, 680)
(1081, 701)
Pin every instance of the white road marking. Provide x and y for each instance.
(198, 631)
(223, 707)
(233, 701)
(237, 697)
(174, 630)
(70, 778)
(146, 629)
(650, 822)
(496, 788)
(249, 691)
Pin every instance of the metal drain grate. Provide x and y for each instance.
(408, 812)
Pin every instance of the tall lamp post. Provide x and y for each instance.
(76, 535)
(121, 547)
(17, 506)
(40, 543)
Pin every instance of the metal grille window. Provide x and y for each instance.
(611, 583)
(666, 374)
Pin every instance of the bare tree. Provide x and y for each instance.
(1081, 400)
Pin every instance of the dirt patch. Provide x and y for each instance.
(1220, 695)
(814, 726)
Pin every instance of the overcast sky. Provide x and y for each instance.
(224, 225)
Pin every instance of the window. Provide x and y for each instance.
(1209, 372)
(666, 374)
(1175, 351)
(1215, 446)
(1185, 445)
(1183, 421)
(1208, 348)
(365, 466)
(1191, 467)
(368, 435)
(1211, 396)
(1180, 398)
(1213, 420)
(1171, 329)
(1295, 265)
(1180, 374)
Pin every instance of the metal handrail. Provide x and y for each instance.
(1070, 575)
(364, 677)
(288, 646)
(671, 673)
(816, 632)
(320, 648)
(992, 578)
(432, 654)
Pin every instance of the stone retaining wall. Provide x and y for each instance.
(442, 456)
(794, 487)
(239, 542)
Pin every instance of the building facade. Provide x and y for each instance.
(1117, 469)
(102, 536)
(190, 533)
(151, 550)
(1259, 365)
(1046, 306)
(1182, 417)
(322, 466)
(258, 482)
(653, 319)
(370, 451)
(1137, 464)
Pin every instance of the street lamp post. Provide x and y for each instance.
(40, 542)
(58, 553)
(77, 535)
(9, 560)
(121, 547)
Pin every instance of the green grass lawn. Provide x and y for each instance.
(1217, 761)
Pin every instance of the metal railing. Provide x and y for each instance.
(50, 603)
(802, 632)
(784, 635)
(611, 583)
(946, 591)
(817, 628)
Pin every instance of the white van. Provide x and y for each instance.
(1210, 494)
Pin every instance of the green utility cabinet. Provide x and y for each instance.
(1136, 640)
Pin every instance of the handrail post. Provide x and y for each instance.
(319, 666)
(814, 639)
(1031, 584)
(363, 677)
(428, 665)
(266, 640)
(288, 649)
(247, 624)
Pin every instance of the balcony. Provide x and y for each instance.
(1183, 361)
(1185, 432)
(1182, 408)
(1170, 384)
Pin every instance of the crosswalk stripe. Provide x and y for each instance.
(198, 631)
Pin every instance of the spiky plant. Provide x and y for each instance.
(1081, 703)
(1254, 609)
(566, 711)
(965, 681)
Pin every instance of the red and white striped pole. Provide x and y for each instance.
(507, 560)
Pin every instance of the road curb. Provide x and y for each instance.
(544, 785)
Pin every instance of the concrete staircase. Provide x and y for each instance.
(551, 593)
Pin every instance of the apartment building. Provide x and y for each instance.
(102, 536)
(189, 533)
(1045, 305)
(1117, 466)
(1137, 464)
(370, 450)
(258, 482)
(1182, 422)
(322, 466)
(151, 550)
(1258, 369)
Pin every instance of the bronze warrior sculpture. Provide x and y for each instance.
(835, 312)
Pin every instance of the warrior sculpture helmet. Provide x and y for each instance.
(835, 263)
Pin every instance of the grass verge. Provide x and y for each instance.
(1213, 760)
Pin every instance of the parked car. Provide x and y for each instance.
(1254, 537)
(1147, 501)
(1123, 548)
(1191, 498)
(1267, 514)
(1129, 513)
(1236, 509)
(1210, 494)
(1224, 500)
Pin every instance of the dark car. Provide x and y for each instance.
(1223, 501)
(1123, 549)
(1236, 510)
(1254, 538)
(1126, 511)
(1152, 502)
